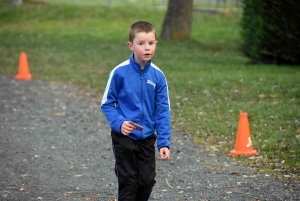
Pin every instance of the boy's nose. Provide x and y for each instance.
(147, 47)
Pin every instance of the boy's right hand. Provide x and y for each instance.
(127, 128)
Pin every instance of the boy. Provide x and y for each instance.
(136, 104)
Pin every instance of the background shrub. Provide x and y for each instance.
(271, 31)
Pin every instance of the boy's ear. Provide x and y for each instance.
(129, 44)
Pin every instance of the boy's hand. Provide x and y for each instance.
(164, 153)
(127, 128)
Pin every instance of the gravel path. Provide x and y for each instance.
(55, 145)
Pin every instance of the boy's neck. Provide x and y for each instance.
(141, 64)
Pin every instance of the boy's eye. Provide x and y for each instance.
(143, 43)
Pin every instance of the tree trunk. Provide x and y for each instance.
(178, 20)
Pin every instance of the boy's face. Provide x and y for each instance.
(143, 47)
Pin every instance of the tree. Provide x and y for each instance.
(178, 20)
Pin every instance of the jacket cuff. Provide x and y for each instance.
(163, 147)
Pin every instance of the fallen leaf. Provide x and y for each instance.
(51, 113)
(180, 192)
(73, 167)
(91, 198)
(157, 197)
(22, 188)
(163, 190)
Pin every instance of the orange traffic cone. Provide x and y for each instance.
(23, 73)
(243, 144)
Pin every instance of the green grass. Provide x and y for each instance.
(114, 3)
(210, 81)
(164, 3)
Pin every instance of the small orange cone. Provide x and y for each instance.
(23, 73)
(243, 144)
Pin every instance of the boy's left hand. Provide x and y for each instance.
(164, 153)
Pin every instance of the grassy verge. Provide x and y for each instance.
(210, 82)
(143, 3)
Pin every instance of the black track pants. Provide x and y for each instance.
(134, 166)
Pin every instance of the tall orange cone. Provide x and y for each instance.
(23, 73)
(243, 144)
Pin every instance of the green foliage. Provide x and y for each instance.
(252, 28)
(270, 31)
(281, 43)
(210, 82)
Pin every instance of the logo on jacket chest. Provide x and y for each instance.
(151, 83)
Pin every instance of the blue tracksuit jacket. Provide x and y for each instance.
(140, 96)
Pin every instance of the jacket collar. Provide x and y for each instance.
(137, 67)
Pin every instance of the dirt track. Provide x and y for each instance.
(55, 145)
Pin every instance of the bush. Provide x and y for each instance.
(270, 31)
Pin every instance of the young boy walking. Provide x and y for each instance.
(137, 107)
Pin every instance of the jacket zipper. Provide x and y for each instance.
(141, 99)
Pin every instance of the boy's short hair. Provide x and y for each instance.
(140, 26)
